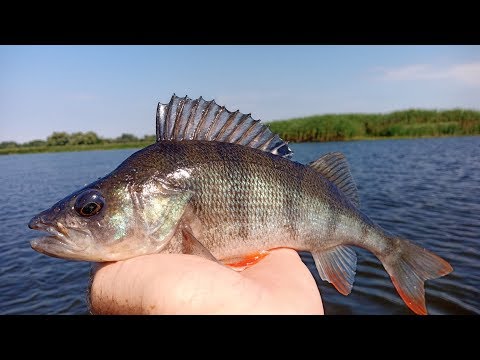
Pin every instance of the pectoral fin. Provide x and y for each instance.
(190, 245)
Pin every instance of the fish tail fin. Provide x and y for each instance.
(409, 266)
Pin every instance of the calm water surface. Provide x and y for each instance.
(426, 190)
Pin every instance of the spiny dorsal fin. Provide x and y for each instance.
(186, 119)
(334, 167)
(337, 266)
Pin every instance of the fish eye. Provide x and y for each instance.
(89, 203)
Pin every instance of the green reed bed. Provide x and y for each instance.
(408, 123)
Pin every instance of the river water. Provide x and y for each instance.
(425, 190)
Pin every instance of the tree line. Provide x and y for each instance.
(77, 138)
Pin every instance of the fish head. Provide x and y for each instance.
(72, 225)
(111, 220)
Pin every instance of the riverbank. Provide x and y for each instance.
(68, 148)
(140, 145)
(405, 124)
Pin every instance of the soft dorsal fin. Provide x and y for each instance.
(186, 119)
(334, 167)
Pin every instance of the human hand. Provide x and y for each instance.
(187, 284)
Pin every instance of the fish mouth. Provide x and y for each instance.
(59, 241)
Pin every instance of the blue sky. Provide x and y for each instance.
(115, 89)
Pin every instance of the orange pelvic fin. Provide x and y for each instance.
(243, 262)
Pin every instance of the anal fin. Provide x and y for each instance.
(337, 266)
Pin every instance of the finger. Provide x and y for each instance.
(287, 278)
(97, 266)
(93, 270)
(162, 284)
(122, 287)
(187, 284)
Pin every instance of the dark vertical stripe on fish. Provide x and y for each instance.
(292, 205)
(364, 234)
(245, 196)
(231, 206)
(307, 204)
(331, 221)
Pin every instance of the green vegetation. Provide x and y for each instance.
(409, 123)
(62, 141)
(333, 127)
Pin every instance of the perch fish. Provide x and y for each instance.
(221, 185)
